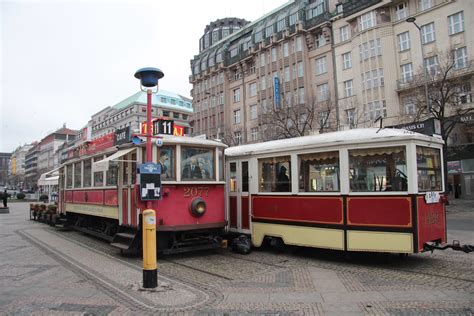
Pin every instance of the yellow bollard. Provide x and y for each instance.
(150, 277)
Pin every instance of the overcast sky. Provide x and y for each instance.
(62, 61)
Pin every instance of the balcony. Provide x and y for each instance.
(419, 79)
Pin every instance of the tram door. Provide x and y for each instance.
(238, 214)
(125, 195)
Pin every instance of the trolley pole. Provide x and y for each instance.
(149, 78)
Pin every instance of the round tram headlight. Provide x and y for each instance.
(198, 207)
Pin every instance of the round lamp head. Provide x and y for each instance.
(411, 20)
(149, 76)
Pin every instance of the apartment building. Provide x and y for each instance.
(31, 166)
(282, 60)
(47, 149)
(131, 112)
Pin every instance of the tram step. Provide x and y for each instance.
(120, 246)
(191, 248)
(126, 235)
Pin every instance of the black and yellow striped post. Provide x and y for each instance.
(150, 271)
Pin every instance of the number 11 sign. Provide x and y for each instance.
(165, 127)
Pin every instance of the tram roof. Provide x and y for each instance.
(186, 140)
(359, 136)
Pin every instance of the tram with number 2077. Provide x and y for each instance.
(374, 190)
(99, 195)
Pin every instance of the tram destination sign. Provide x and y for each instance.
(165, 127)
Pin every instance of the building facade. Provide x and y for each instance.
(131, 112)
(48, 148)
(31, 166)
(4, 163)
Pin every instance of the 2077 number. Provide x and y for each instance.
(196, 191)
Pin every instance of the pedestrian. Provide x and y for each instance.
(450, 188)
(283, 181)
(5, 198)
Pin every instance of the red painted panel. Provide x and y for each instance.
(125, 206)
(69, 196)
(173, 208)
(431, 222)
(245, 213)
(379, 211)
(233, 211)
(111, 197)
(79, 196)
(298, 208)
(134, 206)
(94, 197)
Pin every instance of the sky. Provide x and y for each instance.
(61, 61)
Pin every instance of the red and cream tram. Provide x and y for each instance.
(99, 193)
(356, 190)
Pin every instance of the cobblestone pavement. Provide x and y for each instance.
(48, 272)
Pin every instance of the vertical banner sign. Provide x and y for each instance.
(276, 92)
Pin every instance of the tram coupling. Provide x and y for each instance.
(456, 245)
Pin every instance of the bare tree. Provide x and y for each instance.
(440, 92)
(296, 120)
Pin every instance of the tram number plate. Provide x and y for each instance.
(431, 197)
(190, 192)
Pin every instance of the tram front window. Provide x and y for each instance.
(69, 176)
(378, 169)
(319, 172)
(428, 162)
(167, 163)
(98, 175)
(112, 174)
(197, 163)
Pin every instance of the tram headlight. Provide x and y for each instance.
(198, 207)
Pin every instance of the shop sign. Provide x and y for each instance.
(177, 130)
(454, 167)
(276, 93)
(428, 127)
(122, 136)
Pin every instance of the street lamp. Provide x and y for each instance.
(148, 79)
(412, 20)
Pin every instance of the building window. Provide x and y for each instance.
(252, 68)
(344, 33)
(258, 37)
(460, 58)
(293, 18)
(348, 88)
(321, 65)
(237, 117)
(300, 69)
(407, 72)
(320, 40)
(285, 49)
(346, 61)
(301, 96)
(323, 92)
(253, 112)
(274, 54)
(456, 23)
(238, 138)
(254, 133)
(324, 119)
(237, 75)
(236, 95)
(281, 25)
(401, 11)
(372, 79)
(370, 49)
(428, 33)
(299, 44)
(262, 60)
(350, 117)
(403, 41)
(253, 89)
(376, 109)
(410, 106)
(269, 31)
(425, 4)
(367, 20)
(287, 74)
(431, 65)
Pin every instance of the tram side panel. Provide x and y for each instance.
(431, 222)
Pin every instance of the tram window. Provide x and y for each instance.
(87, 173)
(77, 175)
(197, 163)
(245, 176)
(98, 175)
(233, 177)
(378, 169)
(167, 160)
(111, 174)
(69, 176)
(125, 170)
(274, 174)
(428, 162)
(319, 172)
(221, 164)
(134, 167)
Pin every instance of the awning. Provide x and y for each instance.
(48, 181)
(49, 178)
(103, 165)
